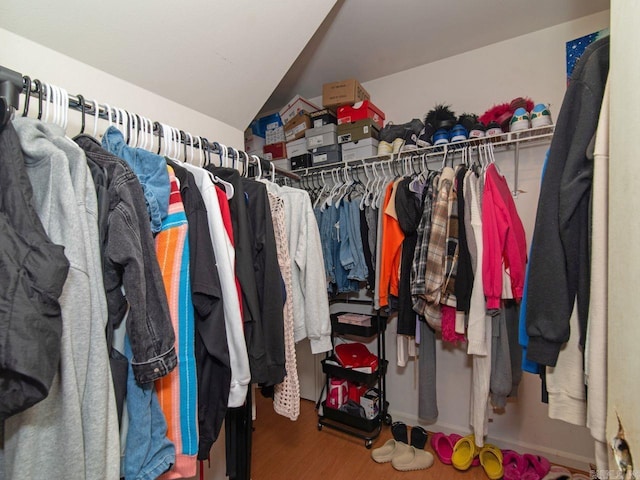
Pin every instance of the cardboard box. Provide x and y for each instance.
(352, 132)
(360, 111)
(294, 106)
(365, 148)
(254, 144)
(274, 135)
(275, 151)
(345, 92)
(301, 161)
(295, 128)
(297, 147)
(321, 136)
(326, 155)
(322, 117)
(370, 401)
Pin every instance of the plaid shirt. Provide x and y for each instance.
(452, 248)
(419, 265)
(434, 267)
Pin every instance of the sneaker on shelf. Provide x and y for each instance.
(424, 137)
(478, 130)
(493, 129)
(441, 136)
(458, 133)
(385, 148)
(410, 142)
(397, 145)
(540, 116)
(519, 121)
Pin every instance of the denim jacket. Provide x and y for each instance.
(151, 170)
(130, 261)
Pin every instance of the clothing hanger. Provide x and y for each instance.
(322, 190)
(83, 112)
(273, 172)
(245, 164)
(26, 83)
(47, 90)
(257, 160)
(39, 90)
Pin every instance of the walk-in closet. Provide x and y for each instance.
(338, 238)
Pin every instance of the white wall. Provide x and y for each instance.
(532, 65)
(37, 61)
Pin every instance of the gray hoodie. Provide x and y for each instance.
(73, 433)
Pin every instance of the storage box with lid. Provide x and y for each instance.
(275, 151)
(321, 136)
(322, 117)
(295, 128)
(301, 161)
(365, 148)
(352, 132)
(360, 111)
(345, 92)
(297, 147)
(326, 155)
(294, 106)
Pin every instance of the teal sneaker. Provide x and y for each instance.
(540, 116)
(519, 121)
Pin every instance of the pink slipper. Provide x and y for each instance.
(514, 465)
(443, 447)
(536, 467)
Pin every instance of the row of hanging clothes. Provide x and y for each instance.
(145, 292)
(442, 248)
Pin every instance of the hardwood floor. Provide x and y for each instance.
(286, 450)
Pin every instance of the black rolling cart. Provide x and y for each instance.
(345, 421)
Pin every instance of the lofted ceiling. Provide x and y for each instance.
(230, 59)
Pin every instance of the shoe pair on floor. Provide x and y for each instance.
(465, 451)
(405, 456)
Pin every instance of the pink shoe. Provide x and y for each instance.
(537, 467)
(514, 465)
(442, 447)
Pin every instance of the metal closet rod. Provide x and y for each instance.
(78, 103)
(530, 137)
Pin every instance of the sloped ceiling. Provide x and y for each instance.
(223, 58)
(230, 59)
(369, 39)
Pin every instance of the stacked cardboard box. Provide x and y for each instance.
(359, 120)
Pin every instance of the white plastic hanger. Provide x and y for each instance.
(96, 117)
(257, 160)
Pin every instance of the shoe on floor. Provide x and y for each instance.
(557, 472)
(418, 437)
(519, 121)
(540, 116)
(464, 451)
(400, 432)
(491, 461)
(388, 451)
(442, 446)
(412, 459)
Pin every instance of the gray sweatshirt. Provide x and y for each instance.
(73, 433)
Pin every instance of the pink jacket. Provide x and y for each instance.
(505, 243)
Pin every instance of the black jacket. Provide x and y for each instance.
(211, 349)
(33, 272)
(268, 282)
(559, 272)
(131, 261)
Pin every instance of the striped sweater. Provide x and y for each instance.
(177, 392)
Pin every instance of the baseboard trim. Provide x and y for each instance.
(559, 457)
